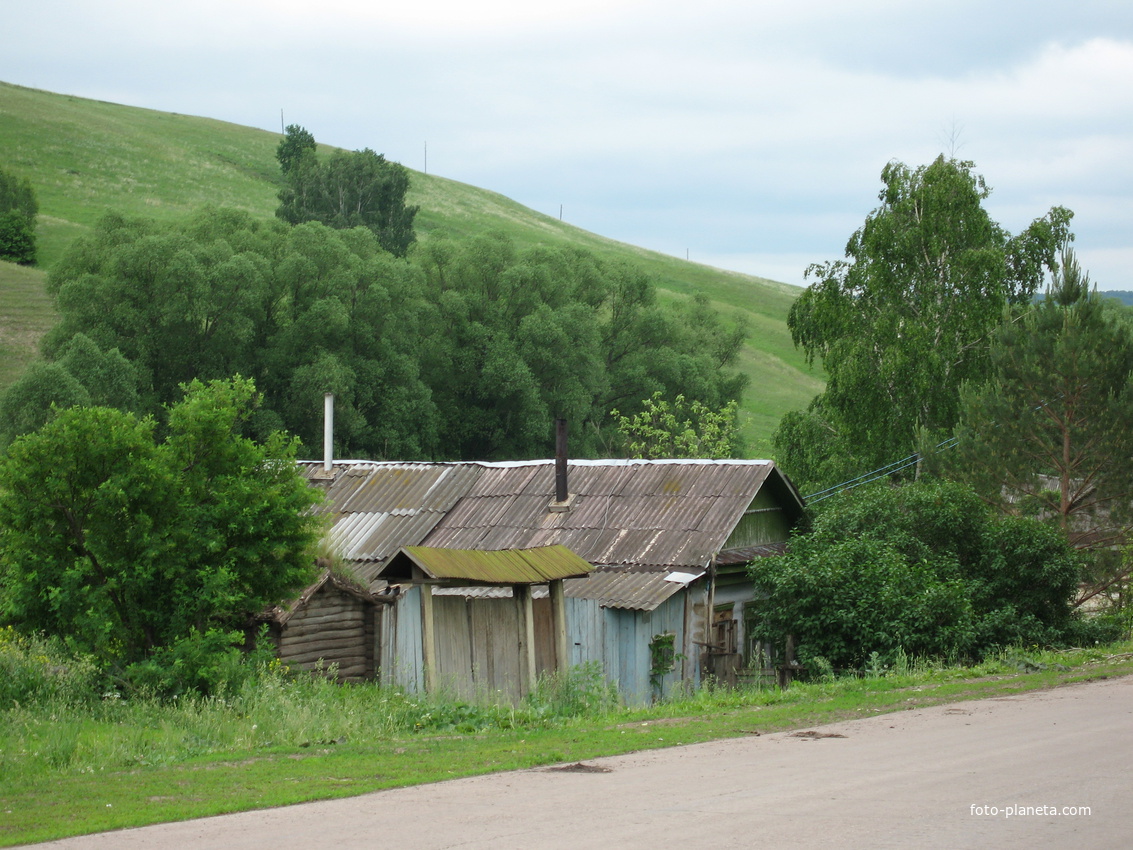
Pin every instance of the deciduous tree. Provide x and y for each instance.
(906, 318)
(18, 211)
(123, 542)
(680, 430)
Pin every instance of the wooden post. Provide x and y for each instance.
(428, 638)
(522, 593)
(558, 617)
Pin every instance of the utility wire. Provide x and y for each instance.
(874, 475)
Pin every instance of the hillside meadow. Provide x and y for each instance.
(87, 157)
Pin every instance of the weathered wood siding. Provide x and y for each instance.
(402, 654)
(618, 639)
(480, 645)
(333, 628)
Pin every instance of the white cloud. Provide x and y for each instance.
(745, 132)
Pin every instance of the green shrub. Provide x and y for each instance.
(210, 663)
(924, 569)
(37, 670)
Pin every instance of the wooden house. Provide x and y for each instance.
(667, 542)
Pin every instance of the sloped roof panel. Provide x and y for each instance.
(633, 589)
(506, 566)
(676, 513)
(379, 507)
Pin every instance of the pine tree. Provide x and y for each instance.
(1048, 433)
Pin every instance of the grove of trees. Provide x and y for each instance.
(347, 189)
(467, 350)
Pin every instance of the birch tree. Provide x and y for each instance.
(906, 317)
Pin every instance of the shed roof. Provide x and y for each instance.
(505, 566)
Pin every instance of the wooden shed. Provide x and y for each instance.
(487, 634)
(333, 626)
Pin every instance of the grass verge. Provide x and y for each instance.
(179, 762)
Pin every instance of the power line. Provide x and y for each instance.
(875, 474)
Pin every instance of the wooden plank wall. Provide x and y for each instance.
(618, 639)
(479, 646)
(332, 628)
(402, 659)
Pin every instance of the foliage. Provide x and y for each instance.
(209, 663)
(18, 211)
(296, 144)
(469, 351)
(122, 543)
(924, 569)
(680, 430)
(38, 670)
(83, 375)
(580, 691)
(358, 189)
(17, 238)
(904, 320)
(1047, 434)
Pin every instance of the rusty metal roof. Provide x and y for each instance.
(504, 566)
(668, 513)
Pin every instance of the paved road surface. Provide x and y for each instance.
(914, 779)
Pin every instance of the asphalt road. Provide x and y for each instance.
(995, 773)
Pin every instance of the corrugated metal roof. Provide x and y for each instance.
(675, 513)
(505, 566)
(378, 507)
(633, 588)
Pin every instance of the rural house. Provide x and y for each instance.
(666, 543)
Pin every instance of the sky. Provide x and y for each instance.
(745, 134)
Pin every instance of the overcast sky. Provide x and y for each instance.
(749, 134)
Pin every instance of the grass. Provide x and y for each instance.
(25, 312)
(85, 157)
(69, 770)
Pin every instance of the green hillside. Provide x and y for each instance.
(85, 157)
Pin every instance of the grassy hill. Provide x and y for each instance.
(85, 157)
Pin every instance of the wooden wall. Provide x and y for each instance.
(480, 645)
(618, 639)
(334, 627)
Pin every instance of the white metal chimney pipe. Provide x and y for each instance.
(328, 432)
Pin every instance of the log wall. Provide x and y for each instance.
(333, 628)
